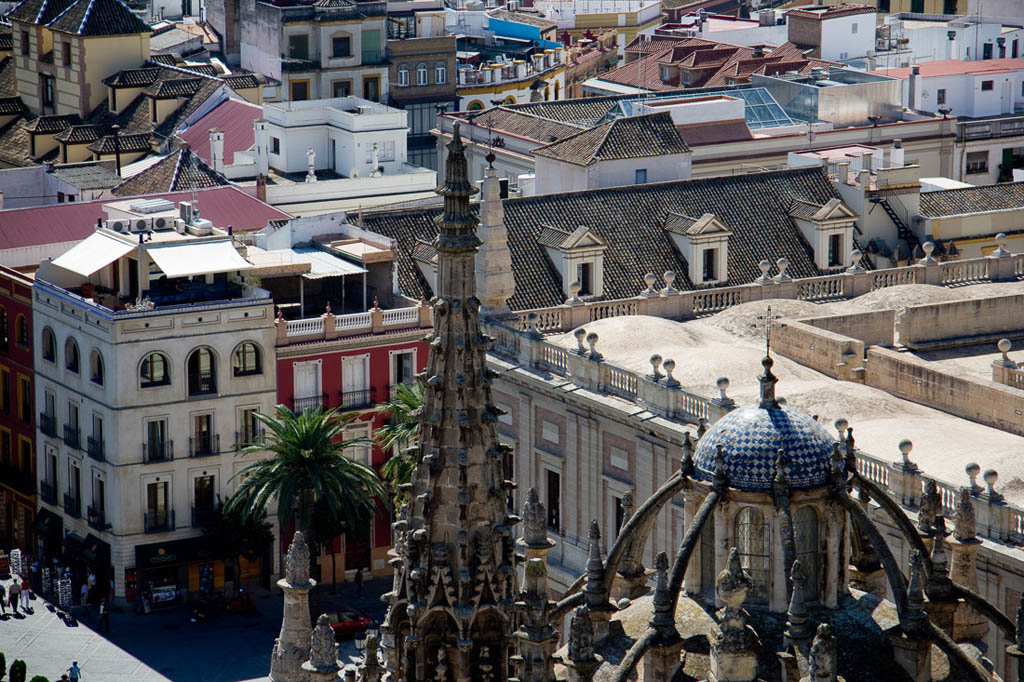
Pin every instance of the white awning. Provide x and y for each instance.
(323, 264)
(197, 258)
(94, 252)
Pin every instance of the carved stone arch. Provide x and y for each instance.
(438, 632)
(489, 652)
(807, 533)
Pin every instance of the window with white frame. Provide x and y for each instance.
(403, 76)
(421, 75)
(403, 366)
(385, 151)
(355, 379)
(359, 453)
(440, 74)
(307, 393)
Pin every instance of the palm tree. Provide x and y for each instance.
(404, 408)
(308, 467)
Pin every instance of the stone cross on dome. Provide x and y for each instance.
(768, 380)
(768, 319)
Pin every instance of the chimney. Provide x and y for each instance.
(261, 140)
(217, 149)
(1, 201)
(758, 51)
(915, 75)
(261, 187)
(951, 53)
(844, 172)
(896, 155)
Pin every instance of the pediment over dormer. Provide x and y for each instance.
(706, 226)
(832, 210)
(582, 237)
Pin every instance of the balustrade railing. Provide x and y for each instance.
(313, 325)
(821, 288)
(965, 271)
(401, 316)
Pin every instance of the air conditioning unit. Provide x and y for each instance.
(141, 226)
(163, 224)
(117, 225)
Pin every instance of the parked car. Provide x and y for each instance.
(347, 623)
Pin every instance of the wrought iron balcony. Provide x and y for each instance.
(159, 451)
(311, 403)
(203, 516)
(48, 424)
(72, 506)
(357, 400)
(48, 493)
(202, 383)
(158, 522)
(72, 437)
(97, 518)
(205, 446)
(94, 447)
(244, 439)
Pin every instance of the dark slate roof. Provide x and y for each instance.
(178, 172)
(88, 175)
(81, 134)
(623, 138)
(8, 88)
(968, 200)
(52, 123)
(129, 143)
(38, 11)
(584, 112)
(242, 81)
(133, 78)
(99, 18)
(166, 59)
(14, 143)
(173, 88)
(6, 39)
(632, 220)
(521, 124)
(11, 105)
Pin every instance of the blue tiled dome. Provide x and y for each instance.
(751, 437)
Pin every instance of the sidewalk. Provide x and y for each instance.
(164, 646)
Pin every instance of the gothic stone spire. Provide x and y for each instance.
(454, 568)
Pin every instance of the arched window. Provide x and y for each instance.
(21, 330)
(71, 362)
(752, 542)
(805, 527)
(202, 372)
(421, 74)
(403, 75)
(440, 74)
(510, 99)
(4, 336)
(558, 89)
(475, 105)
(246, 360)
(154, 370)
(49, 345)
(96, 367)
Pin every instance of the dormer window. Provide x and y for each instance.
(703, 243)
(828, 228)
(578, 256)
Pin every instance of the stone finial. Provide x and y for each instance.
(327, 308)
(965, 526)
(768, 380)
(914, 610)
(972, 470)
(782, 264)
(581, 637)
(928, 248)
(296, 562)
(376, 303)
(1000, 250)
(593, 588)
(720, 477)
(669, 366)
(592, 339)
(370, 669)
(686, 461)
(663, 619)
(765, 265)
(574, 293)
(991, 476)
(531, 324)
(733, 584)
(323, 654)
(580, 334)
(797, 625)
(939, 558)
(855, 258)
(905, 447)
(702, 427)
(650, 279)
(841, 425)
(781, 472)
(1004, 346)
(535, 532)
(655, 360)
(824, 660)
(931, 506)
(670, 277)
(280, 315)
(723, 386)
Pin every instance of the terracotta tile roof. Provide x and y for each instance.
(714, 132)
(969, 200)
(235, 117)
(623, 138)
(832, 11)
(38, 11)
(133, 78)
(51, 123)
(632, 220)
(179, 171)
(643, 44)
(73, 222)
(522, 124)
(99, 18)
(641, 73)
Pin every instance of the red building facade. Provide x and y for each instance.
(17, 408)
(354, 361)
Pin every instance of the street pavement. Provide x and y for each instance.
(165, 646)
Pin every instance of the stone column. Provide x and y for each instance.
(663, 660)
(582, 660)
(968, 624)
(291, 648)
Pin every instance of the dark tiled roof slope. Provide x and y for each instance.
(582, 112)
(242, 81)
(128, 143)
(179, 172)
(969, 200)
(38, 11)
(632, 219)
(8, 88)
(6, 39)
(522, 124)
(81, 134)
(14, 143)
(88, 175)
(133, 78)
(624, 138)
(52, 123)
(11, 105)
(99, 18)
(174, 87)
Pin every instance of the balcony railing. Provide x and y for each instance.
(94, 447)
(355, 400)
(202, 383)
(310, 403)
(244, 439)
(158, 522)
(203, 516)
(158, 452)
(204, 446)
(48, 424)
(72, 505)
(48, 492)
(97, 518)
(72, 436)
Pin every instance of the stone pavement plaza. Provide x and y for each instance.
(163, 646)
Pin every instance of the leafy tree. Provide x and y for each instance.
(404, 408)
(18, 671)
(39, 678)
(327, 527)
(234, 534)
(307, 465)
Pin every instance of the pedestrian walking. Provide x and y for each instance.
(104, 617)
(26, 589)
(84, 599)
(13, 593)
(34, 572)
(74, 672)
(359, 582)
(3, 600)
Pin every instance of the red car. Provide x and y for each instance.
(348, 623)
